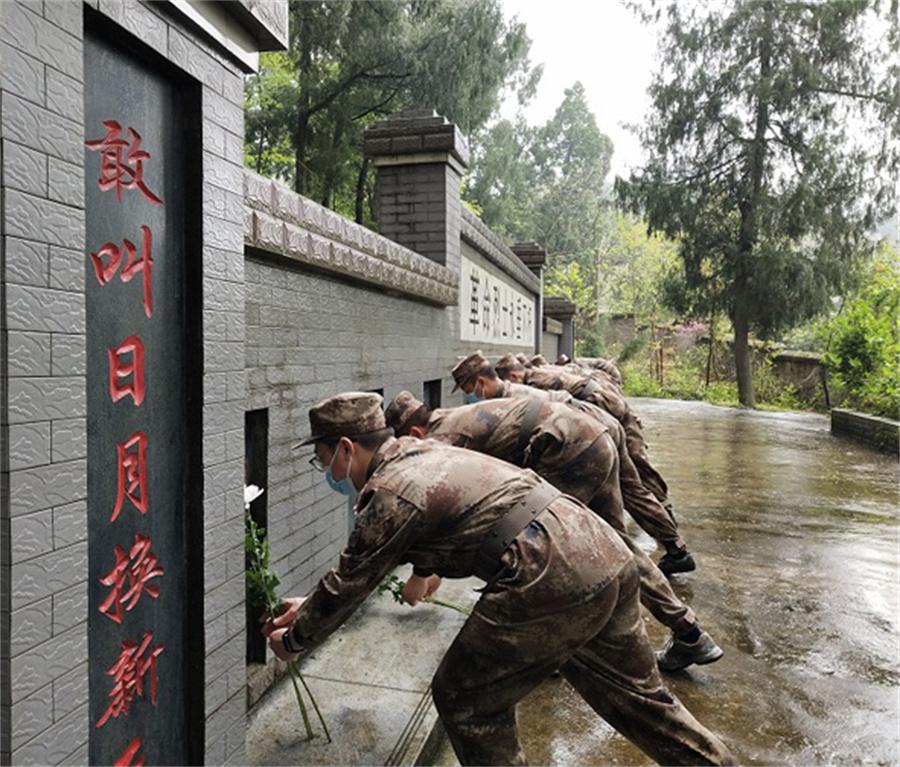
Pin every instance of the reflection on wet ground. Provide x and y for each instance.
(795, 533)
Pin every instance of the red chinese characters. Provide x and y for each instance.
(121, 162)
(121, 369)
(137, 568)
(131, 459)
(107, 259)
(128, 754)
(129, 672)
(131, 574)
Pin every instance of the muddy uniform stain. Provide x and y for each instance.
(566, 597)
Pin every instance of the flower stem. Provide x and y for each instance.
(450, 605)
(313, 701)
(295, 674)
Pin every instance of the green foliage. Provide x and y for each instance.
(632, 268)
(351, 62)
(631, 349)
(262, 583)
(864, 340)
(545, 183)
(590, 340)
(773, 143)
(771, 392)
(684, 377)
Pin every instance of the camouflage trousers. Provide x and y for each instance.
(637, 449)
(645, 492)
(593, 477)
(642, 487)
(602, 650)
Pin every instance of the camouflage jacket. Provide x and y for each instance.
(596, 374)
(431, 505)
(581, 387)
(512, 389)
(599, 363)
(557, 433)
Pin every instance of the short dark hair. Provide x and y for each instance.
(420, 418)
(487, 371)
(369, 441)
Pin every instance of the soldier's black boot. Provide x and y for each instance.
(678, 654)
(677, 562)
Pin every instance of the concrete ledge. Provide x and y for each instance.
(372, 680)
(880, 433)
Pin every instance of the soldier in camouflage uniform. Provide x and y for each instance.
(599, 363)
(607, 377)
(608, 396)
(577, 454)
(477, 377)
(561, 588)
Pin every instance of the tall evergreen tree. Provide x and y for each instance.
(351, 62)
(547, 183)
(774, 146)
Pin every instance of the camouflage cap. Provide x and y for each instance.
(538, 359)
(466, 369)
(400, 410)
(345, 415)
(562, 359)
(507, 363)
(522, 358)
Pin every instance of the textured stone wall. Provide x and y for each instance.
(315, 328)
(880, 433)
(43, 549)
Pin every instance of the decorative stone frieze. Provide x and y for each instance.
(474, 231)
(287, 224)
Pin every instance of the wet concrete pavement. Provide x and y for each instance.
(795, 533)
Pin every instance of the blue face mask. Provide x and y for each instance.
(344, 486)
(474, 396)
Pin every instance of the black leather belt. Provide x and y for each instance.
(513, 522)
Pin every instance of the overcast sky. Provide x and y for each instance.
(600, 43)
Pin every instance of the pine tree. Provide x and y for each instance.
(774, 146)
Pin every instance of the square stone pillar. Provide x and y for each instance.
(563, 311)
(420, 159)
(534, 257)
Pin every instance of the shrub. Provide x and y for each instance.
(864, 340)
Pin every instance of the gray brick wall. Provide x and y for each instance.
(309, 336)
(419, 207)
(43, 473)
(43, 557)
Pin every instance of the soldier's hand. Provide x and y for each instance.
(434, 583)
(416, 589)
(276, 642)
(286, 618)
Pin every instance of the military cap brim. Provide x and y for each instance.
(351, 414)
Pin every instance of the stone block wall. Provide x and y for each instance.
(43, 477)
(43, 535)
(879, 433)
(320, 320)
